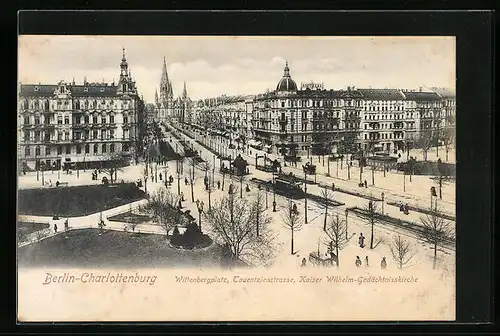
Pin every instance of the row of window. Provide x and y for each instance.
(79, 149)
(76, 120)
(78, 104)
(85, 135)
(384, 136)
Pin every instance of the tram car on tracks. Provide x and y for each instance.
(287, 184)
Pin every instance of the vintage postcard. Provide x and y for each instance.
(222, 178)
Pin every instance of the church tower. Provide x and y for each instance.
(125, 83)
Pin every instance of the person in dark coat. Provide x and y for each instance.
(55, 228)
(186, 182)
(218, 184)
(366, 262)
(383, 263)
(160, 177)
(358, 262)
(366, 184)
(303, 262)
(361, 240)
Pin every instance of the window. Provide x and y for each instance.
(59, 150)
(282, 104)
(86, 135)
(111, 134)
(87, 149)
(37, 120)
(95, 149)
(125, 119)
(94, 119)
(78, 120)
(59, 120)
(68, 149)
(59, 136)
(26, 136)
(37, 151)
(103, 120)
(94, 134)
(86, 119)
(37, 136)
(104, 148)
(26, 120)
(66, 119)
(47, 151)
(112, 148)
(66, 135)
(27, 151)
(111, 119)
(78, 149)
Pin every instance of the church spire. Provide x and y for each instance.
(184, 92)
(165, 85)
(156, 96)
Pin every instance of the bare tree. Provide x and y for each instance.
(293, 221)
(327, 196)
(163, 204)
(191, 182)
(114, 164)
(436, 230)
(372, 214)
(233, 222)
(336, 232)
(424, 141)
(259, 214)
(448, 137)
(401, 251)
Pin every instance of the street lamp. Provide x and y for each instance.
(383, 202)
(199, 205)
(346, 229)
(267, 191)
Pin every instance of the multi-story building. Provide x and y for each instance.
(313, 120)
(310, 120)
(87, 125)
(179, 109)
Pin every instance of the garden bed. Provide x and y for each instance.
(131, 217)
(25, 228)
(76, 201)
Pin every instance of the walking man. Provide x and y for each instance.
(358, 262)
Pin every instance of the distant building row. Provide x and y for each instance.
(315, 120)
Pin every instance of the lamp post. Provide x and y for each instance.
(346, 213)
(267, 191)
(199, 205)
(383, 202)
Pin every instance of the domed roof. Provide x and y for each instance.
(286, 83)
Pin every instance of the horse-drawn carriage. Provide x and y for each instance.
(316, 259)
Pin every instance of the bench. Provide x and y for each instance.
(58, 184)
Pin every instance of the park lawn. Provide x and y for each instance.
(86, 248)
(27, 228)
(76, 201)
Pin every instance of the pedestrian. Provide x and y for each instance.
(186, 182)
(361, 240)
(55, 228)
(182, 196)
(160, 177)
(66, 225)
(366, 184)
(366, 262)
(218, 184)
(180, 204)
(294, 208)
(358, 262)
(383, 263)
(303, 262)
(247, 189)
(333, 186)
(274, 206)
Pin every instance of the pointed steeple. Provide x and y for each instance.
(156, 96)
(184, 92)
(165, 85)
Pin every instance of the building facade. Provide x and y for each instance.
(87, 125)
(313, 120)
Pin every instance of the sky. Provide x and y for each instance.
(239, 65)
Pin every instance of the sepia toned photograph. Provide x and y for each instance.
(236, 178)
